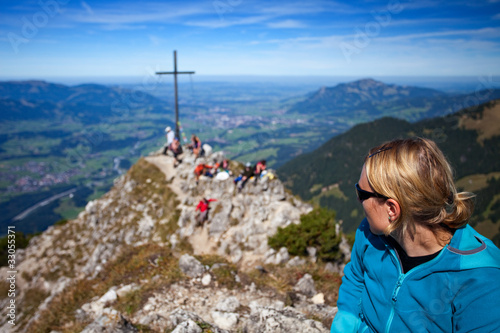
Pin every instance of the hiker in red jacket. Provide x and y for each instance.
(203, 207)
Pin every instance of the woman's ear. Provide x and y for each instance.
(393, 209)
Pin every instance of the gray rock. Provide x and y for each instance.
(229, 304)
(306, 286)
(280, 257)
(148, 319)
(225, 320)
(220, 221)
(179, 316)
(296, 261)
(267, 320)
(190, 266)
(336, 267)
(345, 248)
(188, 326)
(111, 321)
(312, 251)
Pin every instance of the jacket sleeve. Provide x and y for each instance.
(477, 307)
(347, 318)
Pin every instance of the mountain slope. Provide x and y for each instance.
(83, 93)
(469, 138)
(368, 99)
(358, 92)
(136, 259)
(31, 100)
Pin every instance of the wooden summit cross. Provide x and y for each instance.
(175, 72)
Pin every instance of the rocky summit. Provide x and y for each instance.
(137, 260)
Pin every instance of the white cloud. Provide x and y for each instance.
(306, 8)
(87, 7)
(286, 24)
(155, 40)
(114, 26)
(483, 32)
(145, 13)
(229, 21)
(303, 42)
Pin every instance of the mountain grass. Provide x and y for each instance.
(487, 227)
(486, 124)
(474, 183)
(281, 280)
(134, 265)
(326, 192)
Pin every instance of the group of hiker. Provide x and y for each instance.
(219, 170)
(174, 145)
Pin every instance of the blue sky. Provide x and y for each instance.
(71, 38)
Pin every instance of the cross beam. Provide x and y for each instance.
(175, 72)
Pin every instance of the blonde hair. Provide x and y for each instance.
(416, 174)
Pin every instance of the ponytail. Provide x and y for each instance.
(461, 210)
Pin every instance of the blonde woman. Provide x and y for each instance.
(416, 265)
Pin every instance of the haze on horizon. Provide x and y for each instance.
(65, 39)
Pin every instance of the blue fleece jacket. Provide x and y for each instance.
(458, 291)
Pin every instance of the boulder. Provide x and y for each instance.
(225, 320)
(296, 261)
(111, 321)
(306, 286)
(268, 320)
(95, 309)
(178, 317)
(190, 266)
(188, 326)
(229, 304)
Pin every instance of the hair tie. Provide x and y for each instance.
(451, 199)
(379, 151)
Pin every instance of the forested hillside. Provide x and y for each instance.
(469, 138)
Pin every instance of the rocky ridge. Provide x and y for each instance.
(136, 260)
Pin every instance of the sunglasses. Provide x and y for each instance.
(363, 195)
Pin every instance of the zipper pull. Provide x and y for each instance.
(396, 289)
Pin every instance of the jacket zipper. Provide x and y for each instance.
(400, 280)
(396, 288)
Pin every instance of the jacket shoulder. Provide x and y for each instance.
(475, 250)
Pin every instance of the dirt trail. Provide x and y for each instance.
(166, 165)
(200, 239)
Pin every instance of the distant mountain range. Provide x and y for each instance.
(84, 93)
(28, 100)
(469, 138)
(368, 99)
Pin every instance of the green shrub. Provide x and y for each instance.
(316, 229)
(21, 242)
(61, 222)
